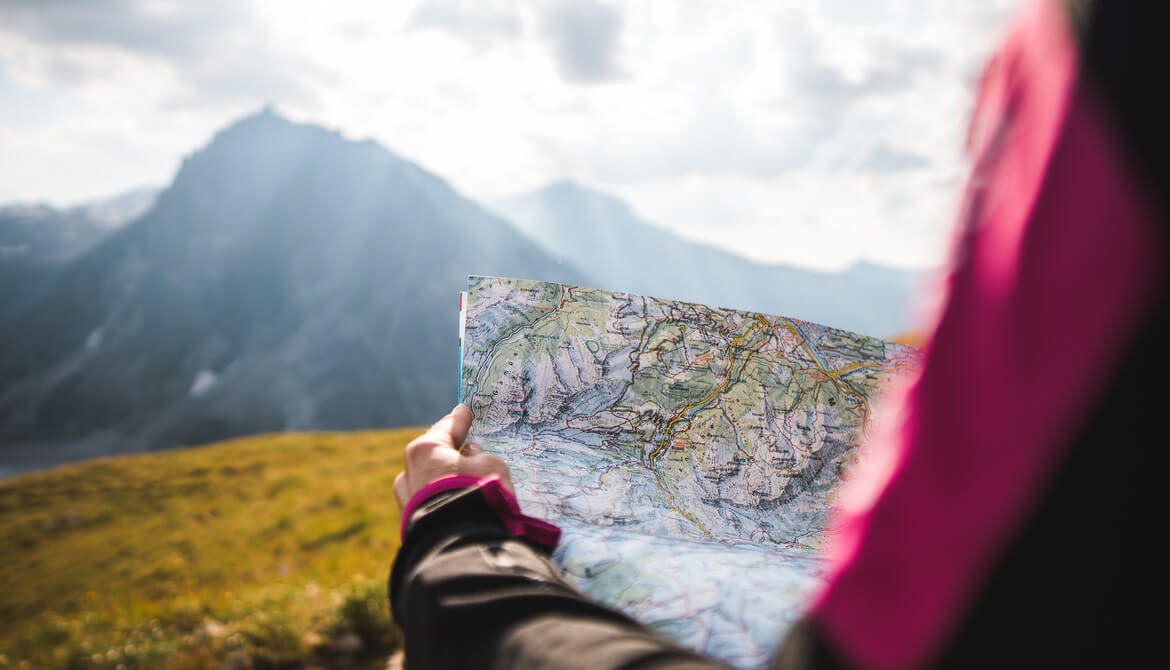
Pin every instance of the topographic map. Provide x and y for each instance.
(688, 452)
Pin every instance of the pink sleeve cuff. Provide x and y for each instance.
(500, 499)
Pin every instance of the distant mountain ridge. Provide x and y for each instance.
(602, 235)
(37, 241)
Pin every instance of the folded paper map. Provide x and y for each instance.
(689, 453)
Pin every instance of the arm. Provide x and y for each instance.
(472, 585)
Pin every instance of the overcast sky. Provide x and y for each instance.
(813, 132)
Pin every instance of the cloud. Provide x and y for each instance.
(584, 37)
(582, 34)
(215, 48)
(889, 69)
(824, 144)
(824, 69)
(250, 77)
(760, 94)
(479, 22)
(175, 31)
(795, 131)
(884, 158)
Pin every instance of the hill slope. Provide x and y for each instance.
(276, 547)
(37, 241)
(288, 279)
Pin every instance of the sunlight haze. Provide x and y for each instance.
(809, 133)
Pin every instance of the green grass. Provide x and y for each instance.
(273, 547)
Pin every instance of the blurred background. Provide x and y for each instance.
(239, 217)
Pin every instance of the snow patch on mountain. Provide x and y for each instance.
(202, 383)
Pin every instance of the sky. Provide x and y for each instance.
(816, 133)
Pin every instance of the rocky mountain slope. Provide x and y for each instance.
(287, 279)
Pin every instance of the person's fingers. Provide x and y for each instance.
(471, 449)
(400, 489)
(448, 432)
(453, 427)
(506, 480)
(460, 424)
(420, 447)
(483, 464)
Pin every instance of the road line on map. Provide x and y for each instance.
(653, 457)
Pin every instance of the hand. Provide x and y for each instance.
(441, 451)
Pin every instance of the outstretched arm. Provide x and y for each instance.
(472, 586)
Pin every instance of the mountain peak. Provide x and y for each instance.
(265, 121)
(265, 115)
(568, 193)
(563, 186)
(264, 151)
(567, 188)
(268, 133)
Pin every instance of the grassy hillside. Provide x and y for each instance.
(263, 552)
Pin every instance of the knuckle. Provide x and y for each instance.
(487, 464)
(417, 447)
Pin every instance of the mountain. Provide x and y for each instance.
(122, 208)
(36, 241)
(287, 279)
(604, 237)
